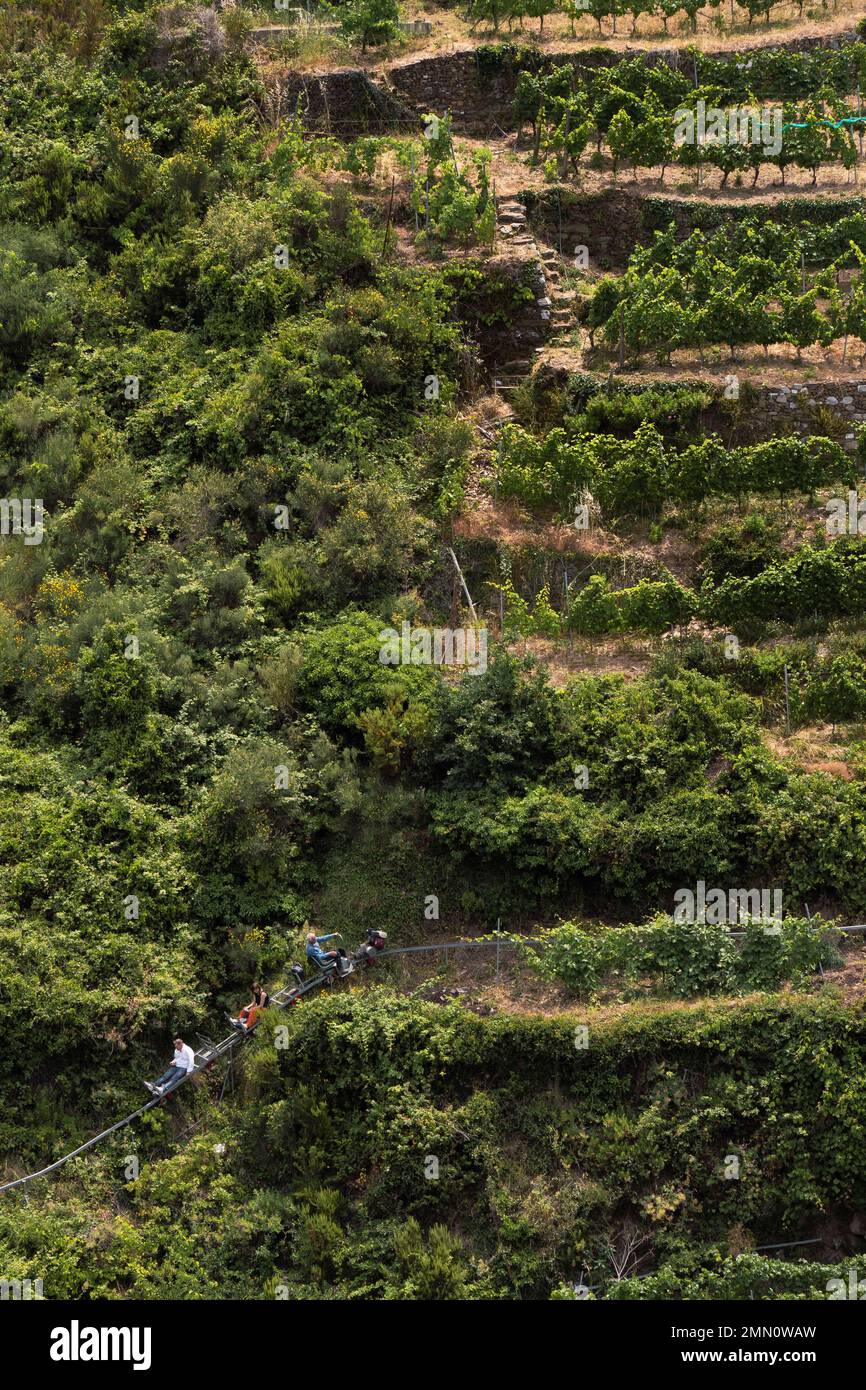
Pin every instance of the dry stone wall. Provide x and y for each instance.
(348, 103)
(479, 91)
(476, 88)
(782, 407)
(508, 314)
(613, 221)
(764, 410)
(272, 34)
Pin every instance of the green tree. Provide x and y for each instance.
(621, 138)
(594, 611)
(371, 21)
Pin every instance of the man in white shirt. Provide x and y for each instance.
(182, 1062)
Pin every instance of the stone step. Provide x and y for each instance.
(512, 218)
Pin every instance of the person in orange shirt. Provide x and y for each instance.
(249, 1015)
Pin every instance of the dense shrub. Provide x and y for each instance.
(685, 959)
(639, 475)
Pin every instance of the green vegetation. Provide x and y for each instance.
(552, 1158)
(371, 21)
(687, 959)
(495, 12)
(746, 285)
(245, 375)
(638, 475)
(639, 110)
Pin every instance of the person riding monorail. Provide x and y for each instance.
(249, 1014)
(315, 952)
(182, 1063)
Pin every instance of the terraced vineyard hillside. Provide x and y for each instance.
(433, 593)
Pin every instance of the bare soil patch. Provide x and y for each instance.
(816, 748)
(451, 33)
(471, 979)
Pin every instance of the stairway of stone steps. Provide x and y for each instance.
(512, 374)
(554, 302)
(561, 300)
(512, 224)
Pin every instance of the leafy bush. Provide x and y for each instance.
(684, 959)
(639, 475)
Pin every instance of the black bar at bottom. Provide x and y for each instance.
(56, 1340)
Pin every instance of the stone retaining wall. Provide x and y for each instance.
(347, 103)
(613, 221)
(764, 410)
(480, 94)
(507, 315)
(275, 33)
(784, 406)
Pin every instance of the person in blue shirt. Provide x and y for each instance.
(315, 952)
